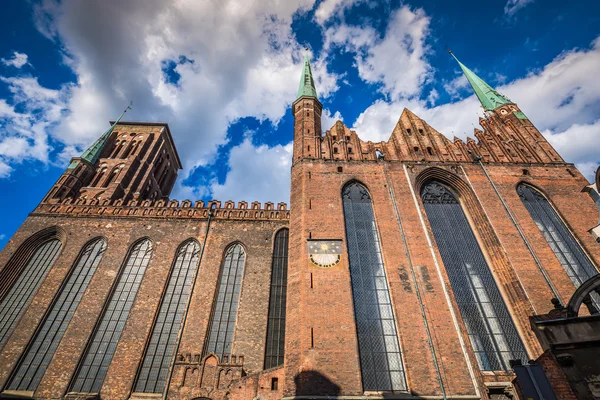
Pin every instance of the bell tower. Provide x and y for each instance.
(130, 161)
(307, 117)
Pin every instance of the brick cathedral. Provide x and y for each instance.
(402, 269)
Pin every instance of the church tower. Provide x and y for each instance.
(508, 132)
(130, 161)
(307, 117)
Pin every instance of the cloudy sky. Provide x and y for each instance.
(223, 74)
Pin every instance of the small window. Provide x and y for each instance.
(274, 384)
(409, 132)
(335, 150)
(349, 150)
(340, 169)
(334, 137)
(309, 148)
(525, 171)
(416, 149)
(348, 138)
(430, 151)
(421, 132)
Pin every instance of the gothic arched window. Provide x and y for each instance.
(277, 300)
(20, 294)
(379, 349)
(102, 346)
(222, 325)
(492, 332)
(577, 265)
(158, 357)
(39, 353)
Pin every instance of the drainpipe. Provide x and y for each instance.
(417, 291)
(477, 159)
(187, 307)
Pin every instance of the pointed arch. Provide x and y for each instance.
(563, 243)
(224, 314)
(33, 363)
(112, 177)
(379, 349)
(274, 351)
(160, 352)
(101, 348)
(492, 333)
(24, 273)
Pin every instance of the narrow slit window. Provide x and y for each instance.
(39, 353)
(101, 349)
(277, 301)
(20, 294)
(157, 360)
(378, 345)
(491, 330)
(222, 325)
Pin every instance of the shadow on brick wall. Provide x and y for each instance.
(314, 383)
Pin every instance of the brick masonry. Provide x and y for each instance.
(321, 350)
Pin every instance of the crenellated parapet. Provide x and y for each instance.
(167, 209)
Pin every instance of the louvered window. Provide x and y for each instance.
(39, 353)
(577, 265)
(18, 297)
(222, 326)
(102, 347)
(379, 349)
(159, 354)
(491, 330)
(276, 321)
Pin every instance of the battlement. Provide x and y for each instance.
(167, 209)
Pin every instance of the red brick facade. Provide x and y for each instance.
(321, 348)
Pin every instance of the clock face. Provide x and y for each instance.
(325, 253)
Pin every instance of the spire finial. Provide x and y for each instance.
(489, 98)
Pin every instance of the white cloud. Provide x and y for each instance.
(329, 8)
(18, 60)
(256, 174)
(397, 61)
(512, 6)
(562, 99)
(328, 120)
(244, 61)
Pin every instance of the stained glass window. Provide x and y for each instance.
(577, 265)
(492, 332)
(102, 347)
(379, 349)
(222, 326)
(39, 353)
(20, 294)
(159, 354)
(276, 321)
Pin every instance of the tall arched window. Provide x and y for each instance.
(99, 175)
(159, 355)
(379, 349)
(101, 348)
(222, 325)
(492, 332)
(32, 365)
(577, 265)
(20, 294)
(276, 321)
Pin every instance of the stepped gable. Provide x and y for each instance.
(413, 139)
(166, 208)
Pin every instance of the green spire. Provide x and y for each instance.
(490, 99)
(92, 154)
(307, 83)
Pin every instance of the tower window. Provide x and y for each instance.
(347, 138)
(335, 150)
(274, 384)
(421, 132)
(340, 169)
(408, 131)
(349, 150)
(430, 151)
(416, 149)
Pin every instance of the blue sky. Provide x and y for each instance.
(223, 74)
